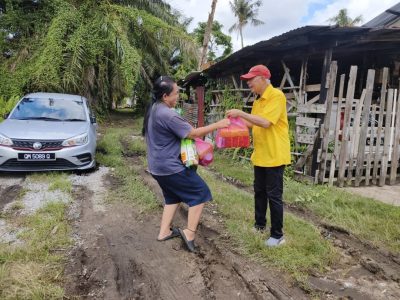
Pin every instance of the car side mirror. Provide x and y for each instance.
(5, 116)
(93, 119)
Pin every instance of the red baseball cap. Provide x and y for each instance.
(258, 70)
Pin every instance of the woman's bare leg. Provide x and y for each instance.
(167, 216)
(193, 220)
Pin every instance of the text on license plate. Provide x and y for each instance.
(36, 156)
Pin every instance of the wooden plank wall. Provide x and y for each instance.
(363, 147)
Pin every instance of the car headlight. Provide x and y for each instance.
(76, 141)
(5, 141)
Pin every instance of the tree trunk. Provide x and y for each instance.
(241, 35)
(207, 34)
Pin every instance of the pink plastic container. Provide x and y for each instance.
(236, 135)
(204, 151)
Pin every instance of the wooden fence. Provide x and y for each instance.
(359, 138)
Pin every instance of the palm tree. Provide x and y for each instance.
(343, 20)
(101, 49)
(246, 11)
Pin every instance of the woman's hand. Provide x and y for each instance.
(223, 123)
(233, 113)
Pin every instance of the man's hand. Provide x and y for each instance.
(233, 113)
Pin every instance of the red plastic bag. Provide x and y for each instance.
(236, 135)
(204, 151)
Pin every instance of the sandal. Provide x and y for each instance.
(174, 233)
(189, 244)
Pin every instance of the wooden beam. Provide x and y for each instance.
(378, 155)
(385, 157)
(322, 99)
(335, 156)
(365, 119)
(313, 87)
(346, 125)
(312, 109)
(396, 146)
(326, 126)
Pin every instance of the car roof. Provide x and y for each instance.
(55, 96)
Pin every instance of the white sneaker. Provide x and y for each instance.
(273, 242)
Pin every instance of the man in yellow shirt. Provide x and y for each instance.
(269, 123)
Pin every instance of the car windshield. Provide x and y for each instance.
(48, 109)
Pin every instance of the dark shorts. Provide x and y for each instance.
(186, 186)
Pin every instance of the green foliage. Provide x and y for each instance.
(246, 12)
(98, 49)
(217, 39)
(231, 99)
(342, 19)
(7, 105)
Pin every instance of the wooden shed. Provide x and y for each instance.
(342, 87)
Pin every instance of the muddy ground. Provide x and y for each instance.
(116, 254)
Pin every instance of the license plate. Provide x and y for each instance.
(36, 156)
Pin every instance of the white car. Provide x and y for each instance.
(48, 131)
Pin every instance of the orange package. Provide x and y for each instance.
(236, 135)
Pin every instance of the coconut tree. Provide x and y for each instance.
(246, 12)
(342, 19)
(101, 49)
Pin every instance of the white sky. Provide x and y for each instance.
(280, 16)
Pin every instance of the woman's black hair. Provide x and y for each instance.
(162, 85)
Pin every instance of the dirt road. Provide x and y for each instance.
(116, 255)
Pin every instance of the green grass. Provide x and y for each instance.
(242, 171)
(61, 183)
(132, 188)
(371, 220)
(33, 270)
(304, 251)
(56, 180)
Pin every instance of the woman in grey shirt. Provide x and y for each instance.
(164, 129)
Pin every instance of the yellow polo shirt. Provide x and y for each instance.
(272, 144)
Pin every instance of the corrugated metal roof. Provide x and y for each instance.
(385, 18)
(298, 39)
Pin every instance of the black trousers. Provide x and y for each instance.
(268, 188)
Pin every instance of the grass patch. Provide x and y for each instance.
(132, 189)
(242, 171)
(134, 146)
(304, 251)
(17, 205)
(368, 219)
(33, 270)
(61, 183)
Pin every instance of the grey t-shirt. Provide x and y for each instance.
(165, 130)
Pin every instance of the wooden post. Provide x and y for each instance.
(396, 144)
(200, 106)
(364, 126)
(384, 165)
(322, 99)
(380, 123)
(335, 155)
(326, 127)
(346, 125)
(354, 137)
(370, 156)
